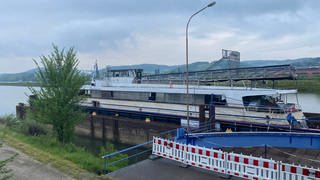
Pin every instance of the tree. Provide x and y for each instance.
(57, 100)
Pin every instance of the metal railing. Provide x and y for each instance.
(250, 73)
(170, 134)
(105, 157)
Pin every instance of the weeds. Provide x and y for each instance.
(109, 149)
(10, 121)
(5, 173)
(33, 128)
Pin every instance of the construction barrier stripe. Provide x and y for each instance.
(248, 167)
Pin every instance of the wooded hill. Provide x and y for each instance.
(29, 76)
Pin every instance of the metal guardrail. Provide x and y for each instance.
(237, 74)
(168, 134)
(126, 150)
(105, 157)
(183, 111)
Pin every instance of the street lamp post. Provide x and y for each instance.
(187, 59)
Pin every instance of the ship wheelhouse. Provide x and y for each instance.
(271, 104)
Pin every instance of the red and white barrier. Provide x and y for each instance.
(240, 165)
(291, 171)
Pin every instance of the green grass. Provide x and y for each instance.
(304, 85)
(68, 158)
(72, 161)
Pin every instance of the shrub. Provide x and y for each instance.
(33, 128)
(10, 121)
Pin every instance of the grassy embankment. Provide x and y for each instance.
(68, 158)
(303, 85)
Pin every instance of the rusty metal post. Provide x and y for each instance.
(202, 115)
(115, 128)
(212, 111)
(92, 124)
(104, 131)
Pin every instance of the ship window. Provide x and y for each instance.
(82, 92)
(106, 94)
(261, 103)
(219, 100)
(152, 96)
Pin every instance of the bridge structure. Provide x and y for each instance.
(277, 72)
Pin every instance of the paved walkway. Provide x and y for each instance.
(160, 169)
(25, 168)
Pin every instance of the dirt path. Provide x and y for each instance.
(24, 167)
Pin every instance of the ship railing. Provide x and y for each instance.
(259, 108)
(265, 72)
(265, 119)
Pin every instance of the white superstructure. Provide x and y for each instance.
(118, 92)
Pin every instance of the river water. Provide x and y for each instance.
(12, 95)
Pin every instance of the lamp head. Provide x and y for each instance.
(211, 4)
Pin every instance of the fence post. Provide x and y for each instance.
(279, 170)
(105, 166)
(92, 125)
(104, 131)
(115, 128)
(212, 111)
(184, 164)
(202, 115)
(225, 163)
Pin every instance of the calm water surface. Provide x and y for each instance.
(12, 95)
(309, 102)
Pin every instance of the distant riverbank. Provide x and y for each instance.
(306, 85)
(303, 85)
(26, 84)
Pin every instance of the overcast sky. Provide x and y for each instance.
(121, 32)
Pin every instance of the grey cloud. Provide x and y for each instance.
(29, 27)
